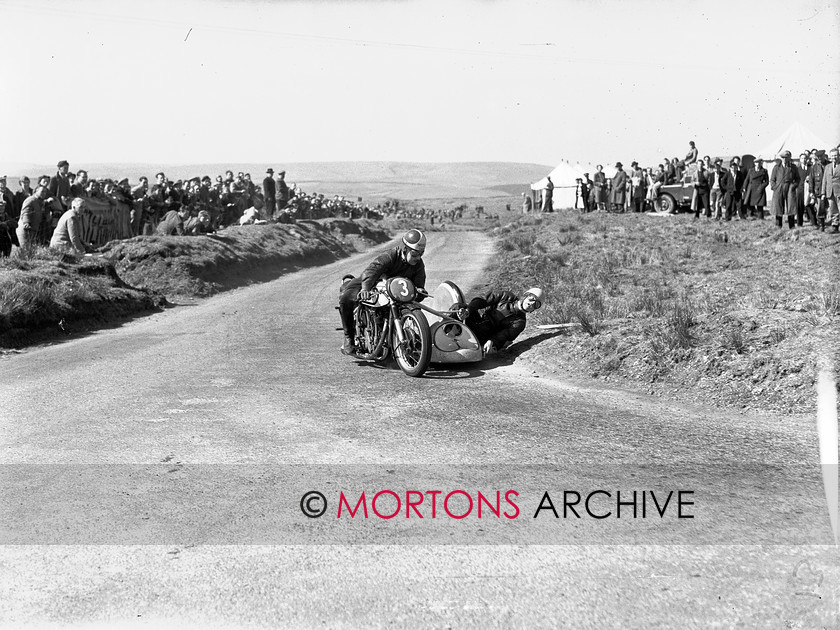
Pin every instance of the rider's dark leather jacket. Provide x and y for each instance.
(503, 319)
(391, 264)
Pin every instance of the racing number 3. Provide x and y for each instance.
(404, 285)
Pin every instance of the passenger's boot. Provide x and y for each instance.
(349, 347)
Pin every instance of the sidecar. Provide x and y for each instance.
(452, 340)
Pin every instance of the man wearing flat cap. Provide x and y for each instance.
(60, 185)
(783, 182)
(269, 194)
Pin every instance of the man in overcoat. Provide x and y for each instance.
(269, 194)
(755, 189)
(783, 182)
(831, 189)
(619, 188)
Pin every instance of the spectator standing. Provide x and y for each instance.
(586, 193)
(7, 200)
(784, 181)
(140, 206)
(831, 189)
(803, 169)
(527, 204)
(282, 190)
(548, 196)
(733, 184)
(23, 191)
(8, 237)
(269, 194)
(716, 188)
(619, 188)
(638, 187)
(157, 202)
(79, 184)
(815, 202)
(60, 185)
(755, 189)
(600, 183)
(701, 190)
(31, 217)
(67, 235)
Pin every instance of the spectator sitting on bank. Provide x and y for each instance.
(173, 222)
(251, 216)
(196, 226)
(67, 235)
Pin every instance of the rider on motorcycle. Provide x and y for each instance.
(405, 260)
(503, 318)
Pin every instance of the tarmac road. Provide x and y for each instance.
(153, 475)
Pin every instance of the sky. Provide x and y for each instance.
(187, 82)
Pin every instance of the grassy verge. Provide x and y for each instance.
(735, 314)
(44, 293)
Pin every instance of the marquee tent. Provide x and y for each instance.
(796, 139)
(564, 178)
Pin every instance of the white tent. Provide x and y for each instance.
(564, 178)
(796, 139)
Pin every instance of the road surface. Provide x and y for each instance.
(153, 474)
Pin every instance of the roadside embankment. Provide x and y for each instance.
(44, 293)
(733, 314)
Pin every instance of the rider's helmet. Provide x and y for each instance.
(537, 294)
(416, 240)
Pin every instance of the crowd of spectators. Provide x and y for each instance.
(194, 206)
(804, 188)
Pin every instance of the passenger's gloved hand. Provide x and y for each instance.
(489, 348)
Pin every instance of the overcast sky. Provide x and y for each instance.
(520, 80)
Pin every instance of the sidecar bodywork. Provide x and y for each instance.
(452, 340)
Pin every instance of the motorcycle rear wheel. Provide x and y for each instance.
(414, 355)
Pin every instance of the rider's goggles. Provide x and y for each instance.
(534, 302)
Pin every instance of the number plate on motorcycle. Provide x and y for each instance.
(401, 289)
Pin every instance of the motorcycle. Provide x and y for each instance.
(390, 322)
(393, 321)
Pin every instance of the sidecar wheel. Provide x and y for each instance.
(414, 355)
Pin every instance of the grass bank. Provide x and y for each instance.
(734, 314)
(44, 293)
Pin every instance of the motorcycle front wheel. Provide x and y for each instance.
(414, 355)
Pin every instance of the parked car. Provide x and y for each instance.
(673, 197)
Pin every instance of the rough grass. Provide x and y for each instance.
(44, 290)
(728, 313)
(201, 266)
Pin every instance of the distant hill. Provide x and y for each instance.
(372, 181)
